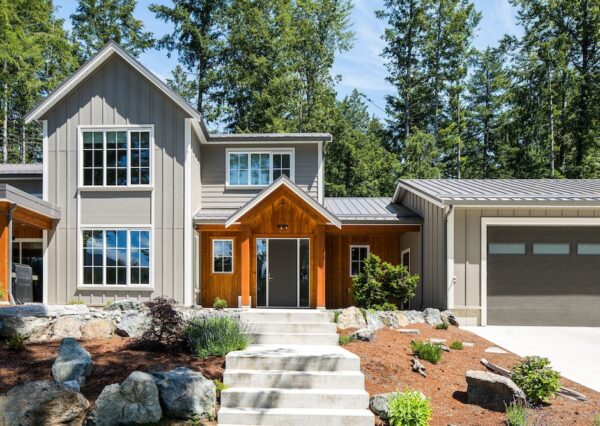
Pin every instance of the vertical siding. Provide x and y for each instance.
(116, 95)
(412, 241)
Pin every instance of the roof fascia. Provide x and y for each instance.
(407, 187)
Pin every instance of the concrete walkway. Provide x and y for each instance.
(574, 351)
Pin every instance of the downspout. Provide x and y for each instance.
(10, 260)
(422, 268)
(446, 215)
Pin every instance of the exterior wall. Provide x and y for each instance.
(31, 185)
(116, 95)
(467, 252)
(412, 241)
(213, 169)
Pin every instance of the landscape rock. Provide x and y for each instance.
(492, 391)
(125, 305)
(185, 393)
(393, 319)
(41, 310)
(449, 318)
(432, 316)
(73, 385)
(33, 328)
(364, 334)
(98, 329)
(379, 405)
(42, 403)
(132, 324)
(67, 326)
(409, 331)
(351, 317)
(374, 322)
(495, 350)
(435, 341)
(414, 317)
(72, 363)
(135, 401)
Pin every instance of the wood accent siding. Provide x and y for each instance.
(226, 286)
(4, 248)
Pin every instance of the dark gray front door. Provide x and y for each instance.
(283, 273)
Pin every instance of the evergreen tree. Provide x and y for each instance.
(420, 157)
(179, 81)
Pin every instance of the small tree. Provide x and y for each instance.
(164, 327)
(383, 286)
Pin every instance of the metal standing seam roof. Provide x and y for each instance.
(474, 191)
(30, 202)
(370, 209)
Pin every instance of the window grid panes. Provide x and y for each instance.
(116, 257)
(116, 158)
(93, 257)
(588, 249)
(506, 248)
(551, 248)
(238, 169)
(281, 165)
(140, 257)
(222, 256)
(257, 168)
(260, 169)
(140, 158)
(358, 254)
(93, 158)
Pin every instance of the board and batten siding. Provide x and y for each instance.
(116, 94)
(467, 252)
(213, 170)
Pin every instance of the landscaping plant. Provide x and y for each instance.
(536, 378)
(75, 302)
(216, 336)
(516, 414)
(457, 346)
(344, 340)
(16, 343)
(409, 408)
(163, 330)
(442, 326)
(219, 387)
(382, 286)
(219, 303)
(597, 420)
(427, 351)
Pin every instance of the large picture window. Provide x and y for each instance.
(116, 257)
(116, 157)
(258, 168)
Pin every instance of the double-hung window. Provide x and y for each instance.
(258, 168)
(116, 157)
(116, 257)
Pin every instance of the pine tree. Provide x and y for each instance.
(186, 88)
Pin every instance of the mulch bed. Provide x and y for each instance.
(386, 364)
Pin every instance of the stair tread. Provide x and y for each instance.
(297, 391)
(296, 372)
(320, 411)
(270, 350)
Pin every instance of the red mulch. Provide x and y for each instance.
(386, 363)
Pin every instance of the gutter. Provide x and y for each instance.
(11, 299)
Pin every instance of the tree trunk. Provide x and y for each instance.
(5, 124)
(551, 123)
(23, 144)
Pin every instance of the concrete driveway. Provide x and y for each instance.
(574, 351)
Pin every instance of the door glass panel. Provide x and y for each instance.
(551, 248)
(261, 272)
(506, 248)
(32, 254)
(304, 274)
(588, 249)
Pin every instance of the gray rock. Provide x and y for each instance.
(41, 310)
(351, 317)
(492, 391)
(135, 401)
(73, 385)
(33, 328)
(393, 319)
(125, 305)
(67, 326)
(414, 317)
(132, 324)
(468, 344)
(432, 316)
(374, 321)
(364, 334)
(42, 403)
(436, 341)
(72, 363)
(495, 350)
(449, 318)
(185, 393)
(379, 405)
(409, 331)
(98, 329)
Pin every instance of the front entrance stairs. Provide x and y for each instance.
(294, 374)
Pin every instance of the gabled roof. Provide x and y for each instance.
(262, 138)
(370, 210)
(110, 49)
(503, 191)
(283, 181)
(12, 195)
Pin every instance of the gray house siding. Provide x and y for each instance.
(412, 241)
(213, 170)
(116, 95)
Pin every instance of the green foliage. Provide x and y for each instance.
(409, 408)
(1, 294)
(536, 378)
(16, 343)
(597, 420)
(427, 351)
(457, 346)
(382, 285)
(216, 336)
(219, 387)
(442, 326)
(75, 302)
(219, 303)
(336, 316)
(516, 415)
(344, 340)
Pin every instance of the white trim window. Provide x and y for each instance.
(222, 256)
(116, 157)
(258, 168)
(116, 257)
(405, 258)
(358, 254)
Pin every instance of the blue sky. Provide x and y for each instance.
(362, 67)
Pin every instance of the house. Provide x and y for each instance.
(140, 200)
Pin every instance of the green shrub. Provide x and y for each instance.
(441, 326)
(382, 286)
(1, 294)
(344, 340)
(536, 378)
(219, 387)
(427, 351)
(410, 408)
(336, 316)
(216, 336)
(457, 346)
(16, 343)
(516, 415)
(75, 302)
(219, 303)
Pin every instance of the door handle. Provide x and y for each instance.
(270, 278)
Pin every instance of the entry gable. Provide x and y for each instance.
(284, 186)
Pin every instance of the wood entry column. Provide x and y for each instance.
(320, 253)
(245, 237)
(4, 251)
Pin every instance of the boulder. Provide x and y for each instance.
(41, 310)
(393, 319)
(185, 394)
(449, 318)
(135, 401)
(33, 328)
(72, 363)
(125, 305)
(67, 326)
(351, 317)
(132, 324)
(42, 403)
(374, 322)
(492, 391)
(414, 317)
(364, 334)
(432, 316)
(379, 405)
(98, 329)
(73, 385)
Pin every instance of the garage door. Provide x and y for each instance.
(543, 276)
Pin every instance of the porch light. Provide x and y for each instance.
(282, 226)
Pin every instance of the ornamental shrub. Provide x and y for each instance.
(163, 330)
(16, 343)
(410, 408)
(219, 303)
(216, 336)
(427, 351)
(516, 415)
(457, 346)
(382, 286)
(536, 378)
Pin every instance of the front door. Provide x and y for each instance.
(283, 273)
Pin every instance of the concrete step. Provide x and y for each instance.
(290, 327)
(295, 339)
(293, 379)
(294, 398)
(286, 316)
(293, 358)
(296, 417)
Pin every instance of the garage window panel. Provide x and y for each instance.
(552, 248)
(506, 248)
(588, 249)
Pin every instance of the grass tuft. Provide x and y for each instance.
(442, 326)
(457, 346)
(219, 303)
(516, 415)
(216, 336)
(16, 343)
(427, 351)
(344, 340)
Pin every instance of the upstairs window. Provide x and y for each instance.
(116, 157)
(258, 168)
